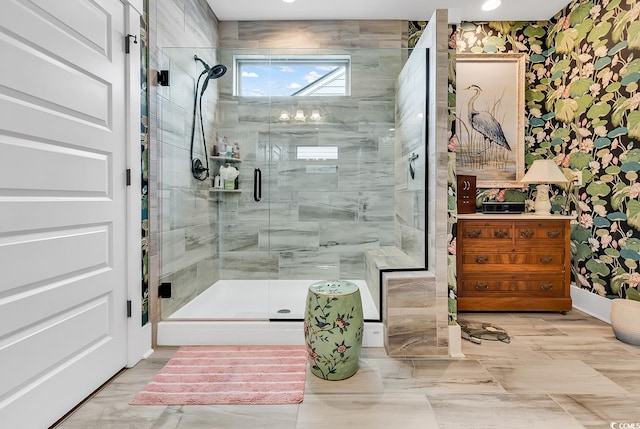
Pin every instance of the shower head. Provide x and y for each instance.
(217, 71)
(214, 72)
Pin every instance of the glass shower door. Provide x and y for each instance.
(275, 233)
(189, 218)
(316, 187)
(305, 204)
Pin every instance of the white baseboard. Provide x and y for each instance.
(455, 341)
(591, 303)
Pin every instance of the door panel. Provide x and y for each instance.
(62, 205)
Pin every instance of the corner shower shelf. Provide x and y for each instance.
(222, 190)
(225, 158)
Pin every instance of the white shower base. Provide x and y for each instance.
(239, 312)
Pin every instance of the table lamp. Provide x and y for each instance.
(543, 171)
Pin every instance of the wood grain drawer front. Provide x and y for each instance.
(506, 264)
(474, 230)
(552, 286)
(549, 232)
(485, 260)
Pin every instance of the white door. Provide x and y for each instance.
(62, 205)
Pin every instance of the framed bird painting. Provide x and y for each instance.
(490, 118)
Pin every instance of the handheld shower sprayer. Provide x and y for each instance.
(199, 171)
(214, 73)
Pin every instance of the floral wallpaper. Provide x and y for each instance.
(451, 179)
(582, 110)
(589, 87)
(582, 100)
(144, 149)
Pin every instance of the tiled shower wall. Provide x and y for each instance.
(317, 217)
(182, 217)
(411, 117)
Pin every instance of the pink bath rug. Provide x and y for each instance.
(229, 375)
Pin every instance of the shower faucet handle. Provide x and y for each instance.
(197, 169)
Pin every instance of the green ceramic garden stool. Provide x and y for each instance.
(333, 327)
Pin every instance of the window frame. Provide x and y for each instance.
(289, 60)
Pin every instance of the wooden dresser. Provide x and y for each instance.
(515, 262)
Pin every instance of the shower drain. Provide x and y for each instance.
(284, 311)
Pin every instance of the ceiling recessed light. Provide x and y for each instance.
(491, 4)
(288, 1)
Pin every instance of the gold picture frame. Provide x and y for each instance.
(490, 91)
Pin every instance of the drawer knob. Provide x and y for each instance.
(553, 234)
(482, 286)
(500, 234)
(473, 233)
(481, 259)
(527, 233)
(546, 259)
(546, 286)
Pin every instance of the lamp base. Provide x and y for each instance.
(542, 205)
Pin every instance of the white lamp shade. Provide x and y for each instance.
(491, 5)
(299, 116)
(544, 171)
(284, 116)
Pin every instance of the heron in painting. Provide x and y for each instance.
(485, 123)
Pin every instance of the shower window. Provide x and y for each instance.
(293, 75)
(316, 152)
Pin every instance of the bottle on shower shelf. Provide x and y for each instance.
(236, 150)
(229, 148)
(222, 147)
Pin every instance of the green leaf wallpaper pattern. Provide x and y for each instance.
(582, 108)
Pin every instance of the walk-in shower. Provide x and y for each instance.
(342, 170)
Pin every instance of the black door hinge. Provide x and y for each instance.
(163, 77)
(127, 42)
(128, 177)
(129, 308)
(164, 290)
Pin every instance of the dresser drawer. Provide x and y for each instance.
(552, 286)
(486, 259)
(482, 231)
(549, 232)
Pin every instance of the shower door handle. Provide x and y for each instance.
(257, 184)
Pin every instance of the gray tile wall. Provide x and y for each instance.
(316, 218)
(411, 117)
(435, 37)
(410, 314)
(183, 219)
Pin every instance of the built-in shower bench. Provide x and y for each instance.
(408, 301)
(377, 260)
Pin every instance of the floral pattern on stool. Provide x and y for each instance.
(333, 329)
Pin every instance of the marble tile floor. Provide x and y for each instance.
(558, 371)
